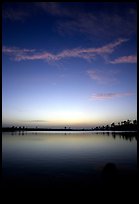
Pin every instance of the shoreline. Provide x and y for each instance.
(64, 130)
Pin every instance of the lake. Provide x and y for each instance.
(69, 160)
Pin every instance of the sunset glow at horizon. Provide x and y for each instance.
(68, 64)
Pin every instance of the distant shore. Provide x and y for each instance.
(121, 126)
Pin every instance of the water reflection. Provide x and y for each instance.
(124, 135)
(68, 156)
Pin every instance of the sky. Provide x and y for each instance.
(70, 64)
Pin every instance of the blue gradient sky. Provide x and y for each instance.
(68, 64)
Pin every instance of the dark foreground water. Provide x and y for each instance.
(71, 161)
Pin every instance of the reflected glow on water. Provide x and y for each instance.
(66, 153)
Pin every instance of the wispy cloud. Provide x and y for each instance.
(102, 24)
(15, 15)
(16, 53)
(125, 59)
(15, 50)
(84, 53)
(95, 75)
(103, 96)
(54, 8)
(73, 19)
(108, 24)
(103, 76)
(21, 11)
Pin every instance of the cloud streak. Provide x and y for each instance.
(105, 96)
(17, 53)
(84, 53)
(125, 59)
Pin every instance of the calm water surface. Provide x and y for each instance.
(54, 158)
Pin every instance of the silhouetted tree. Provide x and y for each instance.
(135, 122)
(103, 127)
(113, 125)
(107, 127)
(122, 123)
(128, 122)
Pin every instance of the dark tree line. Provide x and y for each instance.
(127, 125)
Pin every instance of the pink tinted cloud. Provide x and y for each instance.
(84, 53)
(109, 48)
(17, 53)
(125, 59)
(103, 96)
(15, 50)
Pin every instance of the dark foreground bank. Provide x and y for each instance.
(109, 180)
